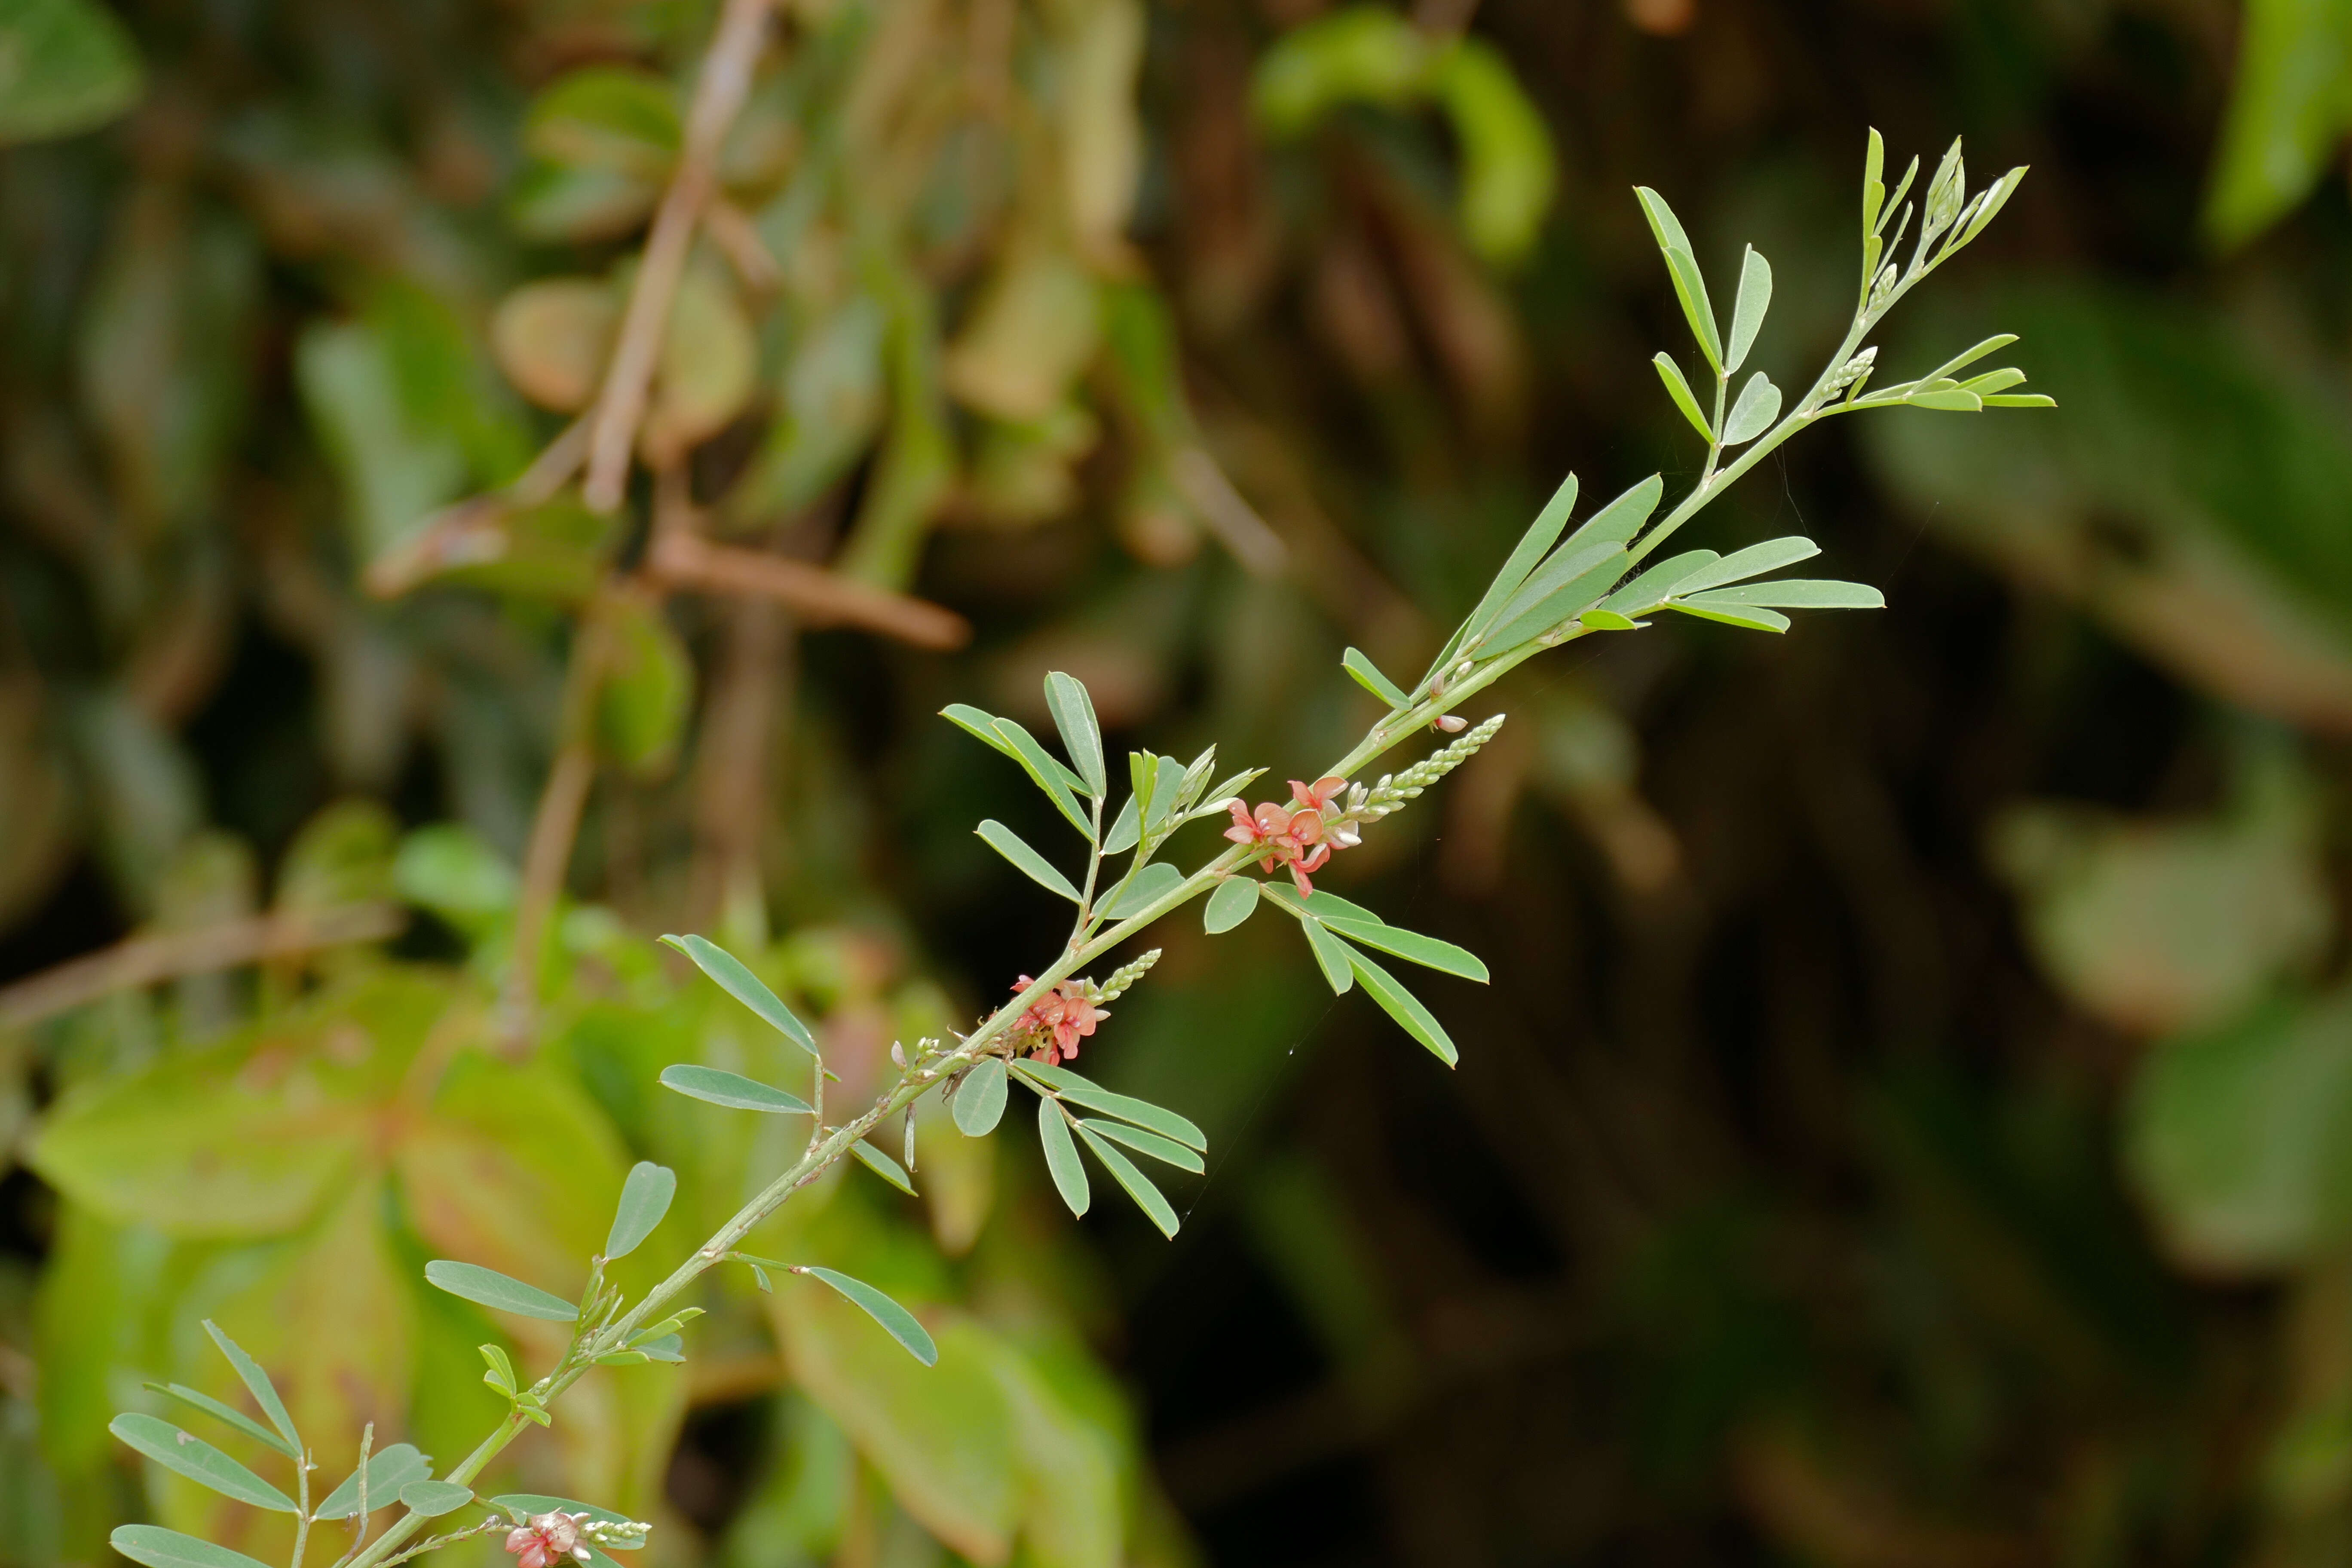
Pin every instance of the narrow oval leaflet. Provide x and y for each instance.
(1027, 861)
(717, 1086)
(882, 1165)
(1425, 951)
(1167, 1151)
(979, 1099)
(219, 1411)
(728, 972)
(645, 1199)
(156, 1547)
(256, 1383)
(1406, 1009)
(1074, 716)
(1330, 956)
(1152, 884)
(434, 1498)
(489, 1288)
(897, 1321)
(191, 1456)
(1138, 1186)
(1094, 1097)
(1062, 1156)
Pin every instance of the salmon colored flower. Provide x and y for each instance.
(1298, 834)
(547, 1540)
(1066, 1016)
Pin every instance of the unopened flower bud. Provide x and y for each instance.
(1453, 724)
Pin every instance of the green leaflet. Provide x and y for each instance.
(979, 1099)
(1759, 620)
(1138, 1186)
(1798, 594)
(1085, 1091)
(1758, 407)
(1414, 947)
(1126, 828)
(1330, 956)
(980, 726)
(1074, 716)
(219, 1411)
(1234, 901)
(1366, 674)
(1165, 1149)
(1062, 1156)
(882, 1165)
(256, 1383)
(1653, 587)
(644, 1198)
(1405, 1008)
(388, 1471)
(1532, 547)
(1060, 785)
(717, 1086)
(1754, 561)
(489, 1288)
(1755, 297)
(1034, 866)
(430, 1500)
(1152, 884)
(745, 988)
(1601, 569)
(191, 1456)
(1679, 389)
(897, 1321)
(159, 1548)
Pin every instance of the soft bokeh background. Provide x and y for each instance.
(1911, 1122)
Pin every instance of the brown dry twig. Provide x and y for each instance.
(819, 597)
(719, 96)
(144, 960)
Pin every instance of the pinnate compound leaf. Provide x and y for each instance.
(745, 988)
(882, 1165)
(156, 1547)
(645, 1199)
(1074, 716)
(191, 1456)
(1031, 864)
(1747, 310)
(1405, 1008)
(489, 1288)
(1798, 594)
(1152, 884)
(256, 1383)
(431, 1500)
(1165, 1149)
(1094, 1097)
(1234, 901)
(1680, 391)
(979, 1099)
(389, 1472)
(897, 1321)
(1366, 674)
(1062, 1156)
(1414, 947)
(234, 1417)
(719, 1087)
(1138, 1186)
(1758, 405)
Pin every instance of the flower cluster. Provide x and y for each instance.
(1303, 833)
(1057, 1023)
(548, 1538)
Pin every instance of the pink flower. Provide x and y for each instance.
(547, 1540)
(1060, 1021)
(1294, 835)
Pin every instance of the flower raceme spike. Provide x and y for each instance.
(1067, 1014)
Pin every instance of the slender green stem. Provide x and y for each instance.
(302, 1509)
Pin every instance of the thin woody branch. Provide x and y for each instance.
(719, 96)
(145, 960)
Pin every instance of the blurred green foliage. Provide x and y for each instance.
(1906, 1126)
